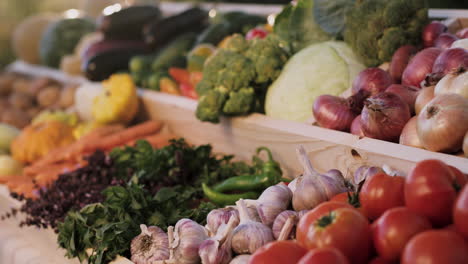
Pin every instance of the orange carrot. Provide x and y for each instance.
(131, 133)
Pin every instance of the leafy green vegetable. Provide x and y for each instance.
(330, 15)
(296, 25)
(323, 68)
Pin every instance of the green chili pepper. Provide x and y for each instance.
(270, 175)
(226, 199)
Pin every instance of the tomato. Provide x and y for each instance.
(179, 75)
(324, 255)
(344, 229)
(379, 260)
(188, 90)
(350, 198)
(394, 229)
(278, 252)
(257, 32)
(380, 193)
(436, 247)
(460, 213)
(431, 190)
(313, 215)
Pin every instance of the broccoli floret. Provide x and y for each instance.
(268, 58)
(240, 102)
(235, 77)
(375, 29)
(210, 105)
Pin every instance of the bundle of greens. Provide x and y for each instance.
(164, 186)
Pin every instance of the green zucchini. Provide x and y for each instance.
(174, 54)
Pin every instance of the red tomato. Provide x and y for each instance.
(179, 75)
(379, 260)
(350, 198)
(278, 252)
(380, 193)
(324, 255)
(188, 90)
(344, 229)
(257, 32)
(436, 247)
(431, 190)
(313, 215)
(394, 229)
(460, 213)
(195, 78)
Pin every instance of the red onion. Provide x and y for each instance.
(373, 80)
(420, 66)
(443, 123)
(425, 96)
(462, 33)
(445, 40)
(356, 126)
(333, 112)
(407, 93)
(431, 32)
(384, 116)
(400, 60)
(409, 135)
(450, 59)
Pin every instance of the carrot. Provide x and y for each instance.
(131, 133)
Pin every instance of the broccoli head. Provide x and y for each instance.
(235, 77)
(375, 29)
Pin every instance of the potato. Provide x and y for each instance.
(38, 84)
(48, 96)
(15, 118)
(21, 85)
(67, 96)
(20, 101)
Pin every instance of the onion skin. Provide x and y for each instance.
(425, 95)
(356, 127)
(431, 32)
(420, 66)
(465, 144)
(400, 60)
(445, 40)
(455, 82)
(407, 93)
(409, 135)
(462, 33)
(333, 112)
(450, 60)
(443, 123)
(372, 80)
(384, 116)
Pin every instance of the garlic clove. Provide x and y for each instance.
(241, 259)
(249, 235)
(280, 221)
(220, 216)
(188, 236)
(288, 228)
(151, 245)
(217, 250)
(272, 202)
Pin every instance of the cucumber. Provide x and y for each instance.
(174, 54)
(159, 33)
(214, 33)
(128, 23)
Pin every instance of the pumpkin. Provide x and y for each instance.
(37, 140)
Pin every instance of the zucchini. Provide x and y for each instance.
(159, 33)
(174, 54)
(214, 33)
(128, 23)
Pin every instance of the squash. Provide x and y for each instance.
(118, 102)
(9, 167)
(37, 140)
(27, 36)
(7, 134)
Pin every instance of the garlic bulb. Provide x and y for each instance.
(241, 259)
(364, 172)
(271, 202)
(280, 221)
(217, 250)
(292, 185)
(220, 216)
(301, 213)
(187, 238)
(313, 188)
(151, 245)
(249, 235)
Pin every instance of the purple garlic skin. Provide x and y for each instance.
(241, 259)
(211, 252)
(151, 245)
(188, 236)
(272, 202)
(280, 220)
(220, 216)
(364, 172)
